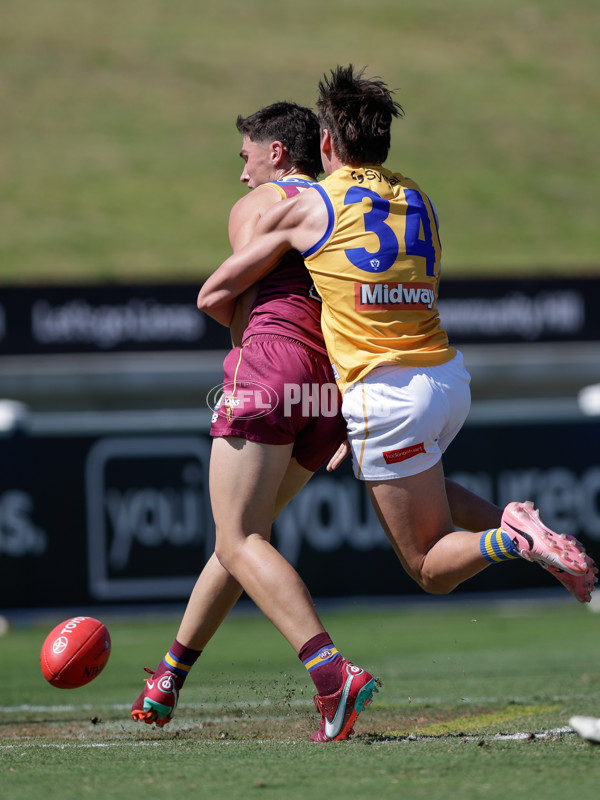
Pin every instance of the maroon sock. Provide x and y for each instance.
(323, 663)
(179, 660)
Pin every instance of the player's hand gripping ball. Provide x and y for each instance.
(75, 652)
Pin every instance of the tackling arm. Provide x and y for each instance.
(272, 238)
(291, 224)
(243, 220)
(219, 292)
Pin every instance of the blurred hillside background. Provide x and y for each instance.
(119, 158)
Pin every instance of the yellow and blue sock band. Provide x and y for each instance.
(496, 545)
(176, 665)
(323, 656)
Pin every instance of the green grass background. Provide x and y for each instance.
(119, 157)
(453, 675)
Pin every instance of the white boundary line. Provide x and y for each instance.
(204, 707)
(263, 703)
(200, 707)
(522, 736)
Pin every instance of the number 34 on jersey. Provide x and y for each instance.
(383, 223)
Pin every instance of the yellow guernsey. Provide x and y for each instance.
(377, 271)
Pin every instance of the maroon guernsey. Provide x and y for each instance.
(287, 303)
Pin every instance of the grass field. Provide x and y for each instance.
(119, 158)
(475, 703)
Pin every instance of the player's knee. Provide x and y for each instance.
(224, 554)
(433, 584)
(437, 587)
(232, 551)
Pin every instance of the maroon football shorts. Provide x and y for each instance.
(276, 391)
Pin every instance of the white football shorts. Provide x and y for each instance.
(401, 419)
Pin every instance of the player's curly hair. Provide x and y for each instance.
(296, 127)
(358, 113)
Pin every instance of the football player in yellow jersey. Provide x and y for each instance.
(370, 241)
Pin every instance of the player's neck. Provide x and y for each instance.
(289, 173)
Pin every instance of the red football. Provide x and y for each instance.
(75, 652)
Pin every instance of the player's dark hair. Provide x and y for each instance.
(358, 113)
(296, 127)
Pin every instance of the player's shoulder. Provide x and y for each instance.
(265, 193)
(293, 212)
(256, 201)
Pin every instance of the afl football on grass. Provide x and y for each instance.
(75, 652)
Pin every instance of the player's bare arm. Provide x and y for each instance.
(217, 299)
(301, 221)
(218, 294)
(290, 224)
(246, 213)
(296, 224)
(243, 219)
